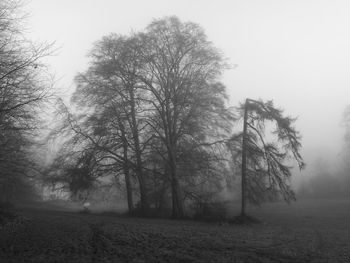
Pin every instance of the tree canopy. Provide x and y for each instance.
(155, 95)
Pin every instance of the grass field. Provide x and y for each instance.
(306, 231)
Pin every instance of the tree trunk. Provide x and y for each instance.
(127, 173)
(143, 196)
(129, 192)
(161, 197)
(178, 211)
(177, 205)
(139, 169)
(244, 159)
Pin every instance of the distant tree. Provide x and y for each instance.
(264, 171)
(346, 125)
(343, 171)
(331, 178)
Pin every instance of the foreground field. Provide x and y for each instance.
(308, 231)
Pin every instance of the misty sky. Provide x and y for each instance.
(296, 52)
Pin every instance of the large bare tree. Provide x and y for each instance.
(180, 71)
(110, 86)
(156, 95)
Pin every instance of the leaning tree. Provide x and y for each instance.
(264, 165)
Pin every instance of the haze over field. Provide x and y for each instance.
(132, 151)
(294, 52)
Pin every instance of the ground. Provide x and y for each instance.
(306, 231)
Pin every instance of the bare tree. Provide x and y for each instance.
(24, 87)
(110, 87)
(180, 72)
(156, 96)
(95, 135)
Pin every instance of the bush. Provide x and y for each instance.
(211, 211)
(244, 220)
(7, 212)
(151, 212)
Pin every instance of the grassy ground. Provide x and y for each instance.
(307, 231)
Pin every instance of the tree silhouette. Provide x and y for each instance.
(265, 174)
(180, 72)
(24, 87)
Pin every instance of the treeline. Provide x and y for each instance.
(24, 87)
(332, 181)
(149, 116)
(331, 178)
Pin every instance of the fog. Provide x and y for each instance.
(294, 52)
(95, 161)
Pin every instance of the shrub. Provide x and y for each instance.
(7, 212)
(211, 211)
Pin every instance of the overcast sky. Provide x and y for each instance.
(296, 52)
